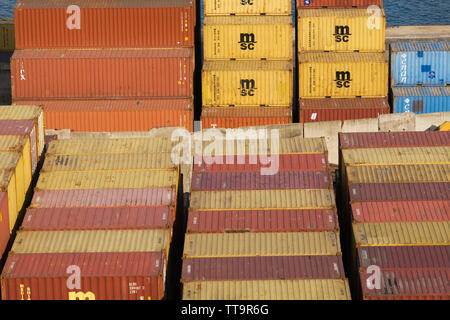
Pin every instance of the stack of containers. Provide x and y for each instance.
(264, 237)
(248, 51)
(21, 145)
(99, 65)
(420, 76)
(6, 50)
(99, 225)
(396, 187)
(343, 69)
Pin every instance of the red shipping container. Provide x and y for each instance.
(104, 24)
(319, 110)
(210, 181)
(103, 276)
(4, 222)
(116, 115)
(262, 221)
(263, 268)
(101, 74)
(404, 211)
(303, 4)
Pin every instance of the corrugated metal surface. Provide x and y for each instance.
(255, 181)
(268, 7)
(268, 290)
(7, 42)
(98, 218)
(145, 24)
(262, 268)
(420, 63)
(248, 37)
(304, 4)
(261, 244)
(104, 276)
(10, 193)
(319, 110)
(341, 30)
(393, 139)
(247, 83)
(4, 221)
(405, 211)
(402, 233)
(12, 143)
(343, 75)
(421, 100)
(9, 160)
(118, 73)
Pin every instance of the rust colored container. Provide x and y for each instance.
(402, 211)
(262, 221)
(229, 117)
(98, 218)
(116, 115)
(303, 4)
(409, 285)
(399, 191)
(105, 24)
(4, 222)
(262, 268)
(318, 110)
(63, 74)
(104, 276)
(394, 139)
(256, 181)
(283, 162)
(107, 198)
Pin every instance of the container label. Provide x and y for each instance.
(342, 33)
(247, 41)
(343, 79)
(404, 68)
(248, 87)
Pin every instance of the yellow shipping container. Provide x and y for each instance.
(8, 182)
(248, 37)
(341, 30)
(247, 7)
(262, 199)
(210, 245)
(316, 289)
(343, 75)
(7, 40)
(12, 166)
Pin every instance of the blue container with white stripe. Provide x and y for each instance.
(421, 99)
(420, 63)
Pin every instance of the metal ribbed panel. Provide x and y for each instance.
(9, 160)
(12, 143)
(268, 7)
(301, 4)
(399, 191)
(20, 112)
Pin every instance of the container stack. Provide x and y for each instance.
(21, 145)
(343, 69)
(396, 187)
(262, 233)
(99, 65)
(101, 217)
(420, 76)
(6, 50)
(248, 51)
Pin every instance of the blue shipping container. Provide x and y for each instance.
(421, 99)
(420, 63)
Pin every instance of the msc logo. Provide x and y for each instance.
(248, 87)
(342, 33)
(246, 2)
(247, 41)
(343, 79)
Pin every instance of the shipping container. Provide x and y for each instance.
(118, 73)
(421, 99)
(341, 30)
(247, 83)
(7, 39)
(305, 4)
(116, 115)
(262, 221)
(237, 7)
(262, 268)
(343, 75)
(420, 63)
(5, 229)
(405, 211)
(317, 289)
(231, 118)
(248, 37)
(96, 24)
(319, 110)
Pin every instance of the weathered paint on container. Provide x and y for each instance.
(262, 268)
(131, 276)
(305, 4)
(237, 7)
(317, 289)
(118, 73)
(421, 99)
(319, 110)
(248, 37)
(145, 24)
(420, 63)
(343, 75)
(10, 195)
(247, 83)
(7, 39)
(4, 222)
(341, 30)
